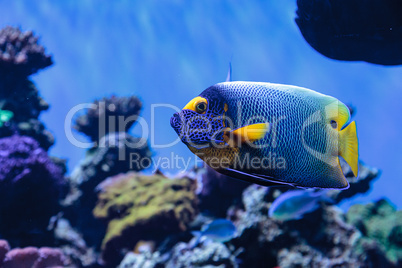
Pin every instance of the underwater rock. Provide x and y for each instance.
(140, 207)
(368, 31)
(182, 255)
(111, 157)
(114, 114)
(20, 53)
(31, 257)
(381, 222)
(216, 188)
(320, 239)
(72, 244)
(143, 260)
(31, 186)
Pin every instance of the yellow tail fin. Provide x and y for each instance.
(349, 147)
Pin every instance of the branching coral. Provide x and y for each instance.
(114, 114)
(139, 207)
(30, 188)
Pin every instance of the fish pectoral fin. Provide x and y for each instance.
(249, 133)
(349, 147)
(253, 178)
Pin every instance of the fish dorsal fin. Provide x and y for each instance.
(229, 76)
(349, 147)
(249, 133)
(336, 110)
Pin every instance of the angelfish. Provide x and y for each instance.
(270, 134)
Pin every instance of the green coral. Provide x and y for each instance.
(382, 222)
(140, 207)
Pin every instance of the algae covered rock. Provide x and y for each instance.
(381, 222)
(140, 207)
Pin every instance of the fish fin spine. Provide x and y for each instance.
(349, 147)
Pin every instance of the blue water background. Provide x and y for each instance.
(169, 51)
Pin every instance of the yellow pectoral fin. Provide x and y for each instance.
(248, 133)
(349, 147)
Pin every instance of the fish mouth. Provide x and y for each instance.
(176, 122)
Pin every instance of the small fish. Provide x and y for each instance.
(220, 230)
(292, 205)
(270, 134)
(5, 116)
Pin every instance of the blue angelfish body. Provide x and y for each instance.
(270, 134)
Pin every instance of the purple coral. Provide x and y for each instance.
(31, 257)
(20, 53)
(97, 122)
(31, 185)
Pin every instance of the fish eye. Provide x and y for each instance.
(201, 107)
(334, 124)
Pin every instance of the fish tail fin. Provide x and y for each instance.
(349, 147)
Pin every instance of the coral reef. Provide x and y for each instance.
(319, 239)
(380, 221)
(182, 255)
(20, 53)
(72, 244)
(139, 207)
(114, 155)
(31, 185)
(322, 238)
(111, 157)
(21, 56)
(31, 257)
(114, 114)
